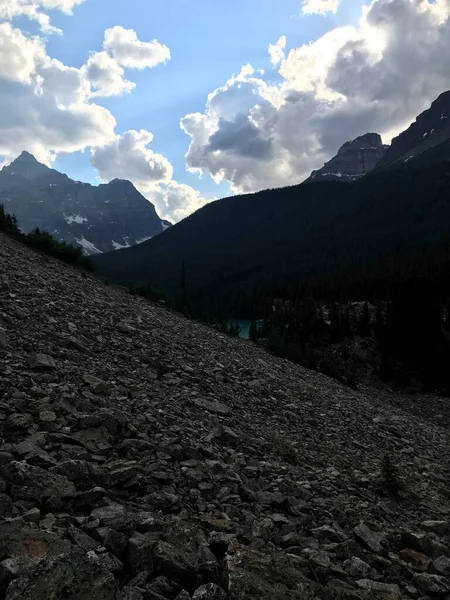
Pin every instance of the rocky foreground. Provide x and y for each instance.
(145, 457)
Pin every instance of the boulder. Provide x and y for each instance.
(73, 575)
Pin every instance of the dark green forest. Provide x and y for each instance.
(236, 249)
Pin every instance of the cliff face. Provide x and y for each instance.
(145, 456)
(354, 159)
(98, 218)
(430, 129)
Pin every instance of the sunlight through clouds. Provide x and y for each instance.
(321, 7)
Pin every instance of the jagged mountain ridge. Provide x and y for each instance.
(298, 232)
(98, 218)
(354, 160)
(144, 456)
(430, 129)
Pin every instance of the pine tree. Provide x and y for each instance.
(253, 332)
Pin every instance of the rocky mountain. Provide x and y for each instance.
(145, 456)
(353, 160)
(98, 218)
(430, 129)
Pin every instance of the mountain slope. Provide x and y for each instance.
(353, 160)
(430, 129)
(145, 454)
(99, 218)
(295, 232)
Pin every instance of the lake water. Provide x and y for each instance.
(245, 327)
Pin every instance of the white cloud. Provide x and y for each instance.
(376, 76)
(320, 7)
(276, 51)
(128, 157)
(106, 76)
(174, 200)
(44, 104)
(32, 9)
(123, 45)
(20, 56)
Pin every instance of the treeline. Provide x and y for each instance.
(44, 242)
(402, 302)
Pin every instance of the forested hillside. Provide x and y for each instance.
(245, 245)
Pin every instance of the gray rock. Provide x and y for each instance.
(440, 528)
(19, 421)
(114, 541)
(176, 563)
(3, 338)
(114, 516)
(130, 593)
(82, 540)
(28, 544)
(183, 595)
(432, 584)
(42, 362)
(367, 537)
(96, 439)
(98, 386)
(34, 483)
(441, 566)
(214, 407)
(327, 535)
(210, 591)
(139, 554)
(32, 516)
(379, 589)
(423, 542)
(73, 574)
(356, 567)
(110, 562)
(80, 472)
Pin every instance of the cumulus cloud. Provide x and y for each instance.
(106, 76)
(33, 10)
(174, 200)
(320, 7)
(45, 105)
(276, 51)
(128, 157)
(376, 76)
(128, 51)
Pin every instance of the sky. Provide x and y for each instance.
(194, 100)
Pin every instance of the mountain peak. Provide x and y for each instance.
(430, 129)
(26, 156)
(27, 166)
(354, 159)
(363, 142)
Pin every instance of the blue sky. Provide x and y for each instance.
(234, 96)
(209, 41)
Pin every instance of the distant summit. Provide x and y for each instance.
(97, 218)
(431, 128)
(354, 159)
(29, 168)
